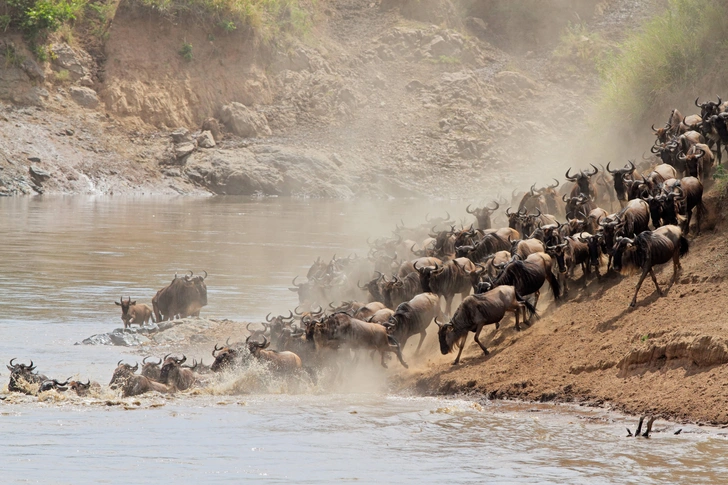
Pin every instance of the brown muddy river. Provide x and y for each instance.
(64, 261)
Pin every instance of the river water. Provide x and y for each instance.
(64, 261)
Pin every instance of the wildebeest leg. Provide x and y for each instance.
(395, 347)
(423, 334)
(384, 364)
(654, 280)
(477, 340)
(537, 294)
(515, 312)
(639, 284)
(448, 305)
(462, 346)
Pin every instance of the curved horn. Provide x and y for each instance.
(117, 364)
(696, 102)
(265, 342)
(269, 319)
(615, 171)
(182, 361)
(11, 362)
(467, 209)
(204, 277)
(438, 323)
(508, 211)
(295, 310)
(294, 282)
(596, 170)
(554, 186)
(497, 206)
(216, 349)
(569, 177)
(136, 367)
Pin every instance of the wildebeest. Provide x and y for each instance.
(132, 384)
(23, 379)
(649, 249)
(174, 375)
(483, 214)
(279, 361)
(183, 297)
(82, 389)
(529, 276)
(150, 369)
(133, 314)
(447, 280)
(341, 328)
(477, 311)
(229, 356)
(619, 175)
(690, 197)
(582, 183)
(413, 317)
(399, 290)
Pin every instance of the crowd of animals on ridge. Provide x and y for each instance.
(405, 277)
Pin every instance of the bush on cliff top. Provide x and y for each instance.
(36, 18)
(672, 52)
(265, 17)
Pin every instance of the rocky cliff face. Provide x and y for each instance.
(378, 101)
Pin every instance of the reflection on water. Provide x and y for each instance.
(63, 263)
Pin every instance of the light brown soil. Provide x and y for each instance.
(665, 357)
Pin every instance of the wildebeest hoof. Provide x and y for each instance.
(455, 363)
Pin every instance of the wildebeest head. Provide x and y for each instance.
(514, 218)
(125, 317)
(446, 336)
(21, 373)
(53, 385)
(150, 369)
(619, 176)
(121, 374)
(79, 387)
(225, 357)
(255, 347)
(169, 363)
(622, 246)
(708, 108)
(558, 251)
(582, 178)
(482, 214)
(593, 242)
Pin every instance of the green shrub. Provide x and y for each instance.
(36, 18)
(4, 22)
(672, 52)
(186, 51)
(41, 52)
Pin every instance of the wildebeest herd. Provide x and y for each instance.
(596, 222)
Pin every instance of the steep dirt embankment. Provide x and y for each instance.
(667, 356)
(379, 98)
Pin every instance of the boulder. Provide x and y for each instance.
(206, 140)
(38, 174)
(213, 126)
(243, 121)
(77, 62)
(85, 97)
(183, 150)
(33, 70)
(181, 135)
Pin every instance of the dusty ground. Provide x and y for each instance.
(664, 357)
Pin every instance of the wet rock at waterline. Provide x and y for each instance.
(173, 331)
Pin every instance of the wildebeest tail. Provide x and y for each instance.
(529, 306)
(554, 283)
(684, 245)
